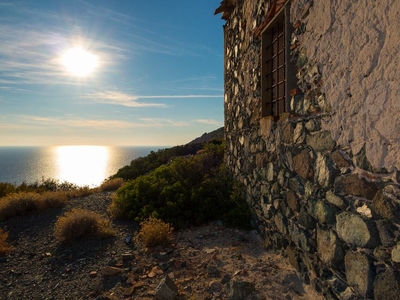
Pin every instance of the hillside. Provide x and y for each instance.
(153, 160)
(217, 134)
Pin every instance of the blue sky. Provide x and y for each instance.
(158, 78)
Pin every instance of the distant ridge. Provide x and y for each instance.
(217, 134)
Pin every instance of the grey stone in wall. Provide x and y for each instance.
(360, 272)
(386, 207)
(303, 164)
(396, 253)
(324, 170)
(321, 141)
(305, 220)
(339, 160)
(385, 230)
(335, 200)
(304, 187)
(293, 201)
(387, 285)
(321, 211)
(354, 185)
(329, 247)
(356, 231)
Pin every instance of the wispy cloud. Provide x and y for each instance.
(118, 98)
(128, 100)
(32, 122)
(208, 121)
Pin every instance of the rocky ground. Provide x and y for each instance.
(208, 262)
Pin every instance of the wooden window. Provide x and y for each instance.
(274, 68)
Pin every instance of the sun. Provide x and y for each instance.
(79, 62)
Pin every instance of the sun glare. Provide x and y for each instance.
(82, 164)
(79, 62)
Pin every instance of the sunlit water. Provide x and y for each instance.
(81, 165)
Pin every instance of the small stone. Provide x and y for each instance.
(210, 251)
(128, 256)
(128, 239)
(110, 271)
(166, 289)
(239, 290)
(364, 211)
(128, 291)
(93, 274)
(139, 284)
(213, 271)
(225, 279)
(214, 287)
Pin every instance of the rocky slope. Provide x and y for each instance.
(208, 262)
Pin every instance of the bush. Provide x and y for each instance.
(143, 165)
(45, 185)
(80, 223)
(111, 184)
(4, 246)
(188, 191)
(155, 232)
(6, 188)
(23, 203)
(80, 192)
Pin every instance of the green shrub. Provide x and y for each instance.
(188, 191)
(155, 232)
(80, 223)
(153, 160)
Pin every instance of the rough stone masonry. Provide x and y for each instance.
(322, 179)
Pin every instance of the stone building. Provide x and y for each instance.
(312, 128)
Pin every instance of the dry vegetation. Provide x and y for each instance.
(4, 246)
(79, 223)
(111, 184)
(19, 204)
(155, 232)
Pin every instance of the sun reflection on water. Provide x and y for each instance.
(82, 165)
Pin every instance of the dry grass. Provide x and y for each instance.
(80, 192)
(155, 232)
(111, 184)
(80, 223)
(22, 203)
(4, 246)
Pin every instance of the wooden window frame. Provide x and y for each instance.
(276, 68)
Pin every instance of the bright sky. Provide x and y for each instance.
(109, 72)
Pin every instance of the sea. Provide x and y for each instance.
(80, 165)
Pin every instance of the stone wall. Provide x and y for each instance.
(333, 213)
